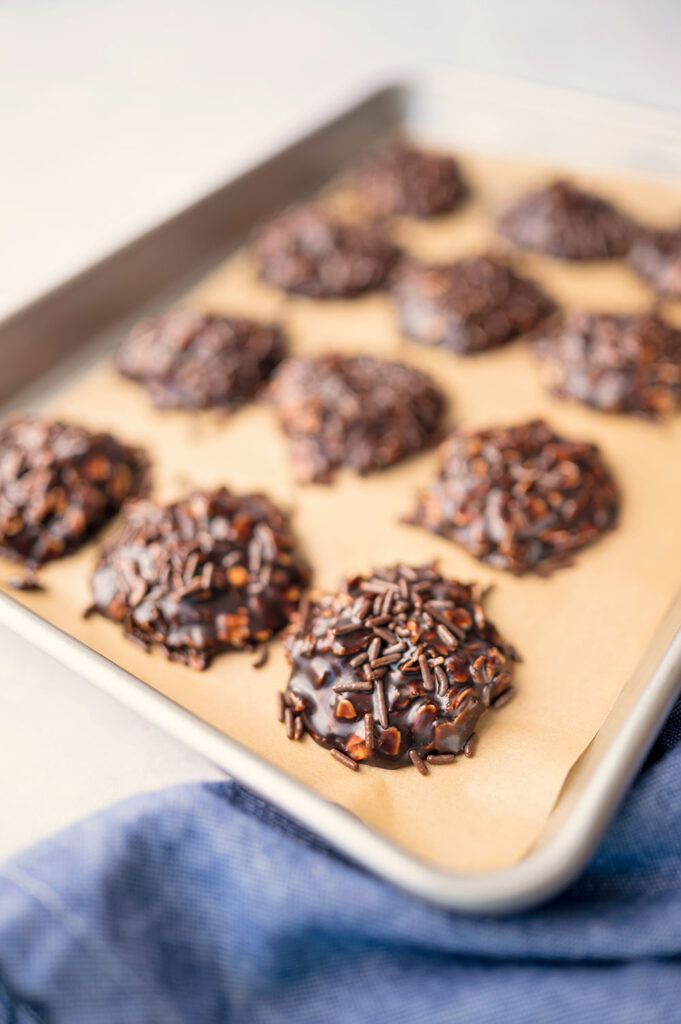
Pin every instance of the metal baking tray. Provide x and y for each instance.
(44, 342)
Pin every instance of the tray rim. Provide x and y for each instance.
(541, 874)
(553, 863)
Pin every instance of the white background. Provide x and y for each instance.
(114, 113)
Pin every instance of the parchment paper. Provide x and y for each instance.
(580, 632)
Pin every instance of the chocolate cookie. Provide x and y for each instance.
(355, 411)
(188, 359)
(618, 363)
(395, 669)
(656, 256)
(520, 498)
(58, 484)
(469, 306)
(306, 252)
(400, 178)
(212, 572)
(566, 222)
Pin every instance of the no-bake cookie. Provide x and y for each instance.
(521, 497)
(397, 668)
(400, 178)
(208, 573)
(356, 411)
(58, 484)
(469, 306)
(187, 359)
(307, 252)
(564, 221)
(617, 363)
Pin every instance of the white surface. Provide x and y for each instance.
(67, 749)
(114, 113)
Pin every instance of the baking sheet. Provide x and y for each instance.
(580, 632)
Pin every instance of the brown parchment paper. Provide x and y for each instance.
(580, 632)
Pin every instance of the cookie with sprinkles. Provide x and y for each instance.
(59, 483)
(395, 669)
(469, 306)
(400, 178)
(213, 572)
(307, 252)
(564, 221)
(357, 411)
(191, 360)
(519, 497)
(614, 362)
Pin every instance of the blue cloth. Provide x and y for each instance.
(202, 905)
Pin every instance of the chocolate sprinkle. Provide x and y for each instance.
(59, 484)
(471, 744)
(418, 762)
(344, 759)
(503, 698)
(441, 758)
(306, 252)
(567, 223)
(469, 306)
(617, 363)
(187, 359)
(400, 714)
(442, 681)
(152, 576)
(446, 635)
(399, 178)
(356, 411)
(520, 498)
(426, 674)
(365, 687)
(369, 731)
(381, 706)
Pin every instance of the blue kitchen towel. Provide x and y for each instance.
(202, 905)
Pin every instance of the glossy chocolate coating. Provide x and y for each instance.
(211, 572)
(437, 685)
